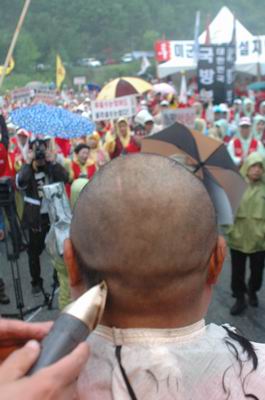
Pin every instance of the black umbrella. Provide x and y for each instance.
(208, 159)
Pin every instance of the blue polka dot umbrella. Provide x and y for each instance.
(42, 119)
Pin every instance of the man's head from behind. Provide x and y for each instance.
(147, 226)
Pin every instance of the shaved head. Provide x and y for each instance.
(147, 226)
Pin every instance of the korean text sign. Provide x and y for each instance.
(125, 106)
(216, 73)
(185, 116)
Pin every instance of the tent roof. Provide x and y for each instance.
(173, 66)
(221, 28)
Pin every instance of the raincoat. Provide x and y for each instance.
(247, 113)
(257, 134)
(248, 232)
(64, 293)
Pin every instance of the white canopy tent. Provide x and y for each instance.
(221, 31)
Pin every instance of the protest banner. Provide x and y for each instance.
(185, 116)
(166, 50)
(79, 80)
(247, 51)
(47, 97)
(216, 73)
(23, 94)
(113, 109)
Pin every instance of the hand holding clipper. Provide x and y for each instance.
(72, 327)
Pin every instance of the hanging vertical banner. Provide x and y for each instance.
(230, 72)
(216, 73)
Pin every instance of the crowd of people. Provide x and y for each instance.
(37, 160)
(241, 127)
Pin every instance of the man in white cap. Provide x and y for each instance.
(224, 111)
(244, 144)
(20, 152)
(146, 121)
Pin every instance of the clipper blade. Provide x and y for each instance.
(90, 306)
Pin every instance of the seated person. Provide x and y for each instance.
(153, 238)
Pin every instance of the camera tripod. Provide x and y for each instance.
(12, 250)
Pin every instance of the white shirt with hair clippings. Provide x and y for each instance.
(197, 362)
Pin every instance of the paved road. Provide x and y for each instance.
(251, 323)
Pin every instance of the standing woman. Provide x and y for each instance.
(123, 142)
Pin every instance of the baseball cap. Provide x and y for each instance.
(23, 132)
(245, 121)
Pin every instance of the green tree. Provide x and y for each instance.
(26, 53)
(83, 28)
(149, 39)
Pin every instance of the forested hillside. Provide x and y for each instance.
(105, 28)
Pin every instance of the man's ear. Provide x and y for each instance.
(76, 283)
(216, 261)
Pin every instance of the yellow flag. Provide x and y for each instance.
(10, 67)
(60, 72)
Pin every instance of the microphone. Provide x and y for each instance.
(72, 327)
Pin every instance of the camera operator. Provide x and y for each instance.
(40, 169)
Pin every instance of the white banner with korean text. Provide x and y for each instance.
(185, 116)
(247, 51)
(23, 94)
(125, 106)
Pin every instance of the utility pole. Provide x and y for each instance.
(14, 40)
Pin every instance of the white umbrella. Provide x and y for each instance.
(164, 88)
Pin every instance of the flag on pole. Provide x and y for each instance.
(196, 36)
(183, 98)
(144, 66)
(60, 72)
(208, 36)
(10, 67)
(233, 39)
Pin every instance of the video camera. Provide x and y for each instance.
(40, 147)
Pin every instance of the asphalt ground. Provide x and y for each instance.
(251, 323)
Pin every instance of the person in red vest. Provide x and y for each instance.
(5, 167)
(5, 173)
(64, 146)
(19, 148)
(123, 142)
(244, 144)
(83, 164)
